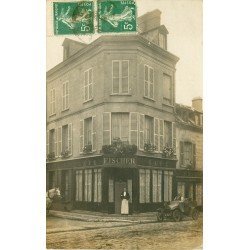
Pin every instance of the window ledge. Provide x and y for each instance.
(64, 110)
(167, 104)
(87, 101)
(120, 94)
(148, 98)
(51, 115)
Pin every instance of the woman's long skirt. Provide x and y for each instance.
(124, 207)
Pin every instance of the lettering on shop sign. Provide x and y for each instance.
(111, 160)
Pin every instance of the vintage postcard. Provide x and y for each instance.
(124, 124)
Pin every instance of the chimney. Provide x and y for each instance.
(149, 21)
(197, 104)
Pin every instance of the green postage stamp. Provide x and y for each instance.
(73, 17)
(116, 16)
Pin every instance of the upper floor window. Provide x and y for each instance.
(65, 140)
(52, 101)
(162, 41)
(167, 88)
(149, 129)
(187, 154)
(88, 85)
(148, 82)
(65, 96)
(120, 126)
(120, 76)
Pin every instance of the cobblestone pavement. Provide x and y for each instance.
(72, 234)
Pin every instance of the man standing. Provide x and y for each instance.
(125, 206)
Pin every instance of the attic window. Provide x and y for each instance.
(162, 41)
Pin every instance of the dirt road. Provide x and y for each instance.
(68, 234)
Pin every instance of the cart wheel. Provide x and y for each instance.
(195, 214)
(177, 215)
(159, 216)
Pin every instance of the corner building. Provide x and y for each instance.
(104, 97)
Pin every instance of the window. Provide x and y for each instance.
(120, 75)
(167, 133)
(53, 141)
(198, 194)
(88, 133)
(88, 185)
(88, 84)
(148, 82)
(167, 88)
(187, 154)
(181, 189)
(111, 190)
(168, 180)
(52, 101)
(149, 129)
(120, 126)
(78, 185)
(97, 185)
(157, 180)
(65, 139)
(162, 41)
(65, 96)
(191, 191)
(144, 175)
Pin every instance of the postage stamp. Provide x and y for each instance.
(73, 17)
(116, 16)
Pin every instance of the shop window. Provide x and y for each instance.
(144, 175)
(157, 183)
(88, 185)
(168, 180)
(97, 185)
(79, 185)
(111, 190)
(198, 194)
(52, 179)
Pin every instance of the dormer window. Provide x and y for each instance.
(162, 41)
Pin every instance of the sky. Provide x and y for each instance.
(183, 19)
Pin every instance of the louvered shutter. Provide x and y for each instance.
(174, 136)
(59, 135)
(106, 128)
(91, 83)
(70, 138)
(133, 128)
(181, 153)
(194, 155)
(81, 136)
(146, 79)
(141, 132)
(47, 142)
(156, 133)
(55, 141)
(161, 132)
(94, 136)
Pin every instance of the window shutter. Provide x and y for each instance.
(156, 133)
(81, 136)
(151, 79)
(67, 95)
(91, 83)
(59, 145)
(116, 76)
(161, 128)
(47, 142)
(70, 138)
(106, 128)
(194, 155)
(55, 141)
(174, 136)
(146, 83)
(94, 137)
(141, 132)
(133, 128)
(181, 153)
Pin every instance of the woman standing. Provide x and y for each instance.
(125, 206)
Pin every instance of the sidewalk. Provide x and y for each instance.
(90, 216)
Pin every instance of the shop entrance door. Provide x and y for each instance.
(119, 186)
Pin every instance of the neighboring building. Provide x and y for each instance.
(110, 114)
(189, 150)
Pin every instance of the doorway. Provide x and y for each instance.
(119, 186)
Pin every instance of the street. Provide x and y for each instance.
(70, 234)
